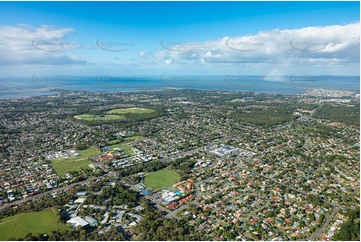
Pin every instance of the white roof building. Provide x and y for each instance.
(93, 222)
(172, 194)
(80, 200)
(77, 221)
(224, 150)
(81, 193)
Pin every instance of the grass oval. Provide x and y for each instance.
(161, 179)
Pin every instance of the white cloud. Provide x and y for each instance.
(24, 44)
(316, 45)
(311, 50)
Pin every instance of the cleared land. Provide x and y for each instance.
(161, 179)
(18, 226)
(131, 110)
(91, 117)
(63, 166)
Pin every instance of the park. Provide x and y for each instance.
(91, 117)
(134, 110)
(161, 179)
(18, 226)
(66, 165)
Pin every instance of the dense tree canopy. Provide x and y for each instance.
(350, 230)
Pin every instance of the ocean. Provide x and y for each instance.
(37, 85)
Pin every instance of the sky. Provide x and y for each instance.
(179, 38)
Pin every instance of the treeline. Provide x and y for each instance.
(154, 227)
(117, 195)
(75, 235)
(131, 118)
(349, 230)
(340, 113)
(143, 116)
(39, 205)
(265, 117)
(183, 165)
(144, 167)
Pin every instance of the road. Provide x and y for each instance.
(319, 231)
(173, 214)
(64, 188)
(40, 195)
(314, 236)
(190, 152)
(293, 189)
(58, 189)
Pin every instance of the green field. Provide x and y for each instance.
(161, 179)
(127, 148)
(18, 226)
(63, 166)
(114, 141)
(133, 138)
(92, 151)
(91, 117)
(131, 110)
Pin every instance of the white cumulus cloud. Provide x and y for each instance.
(339, 44)
(24, 44)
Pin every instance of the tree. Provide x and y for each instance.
(350, 230)
(230, 236)
(30, 237)
(81, 146)
(155, 227)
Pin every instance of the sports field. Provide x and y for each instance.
(161, 179)
(131, 110)
(19, 225)
(91, 117)
(63, 166)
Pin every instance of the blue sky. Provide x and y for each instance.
(152, 38)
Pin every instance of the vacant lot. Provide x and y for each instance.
(63, 166)
(91, 117)
(161, 179)
(19, 225)
(131, 110)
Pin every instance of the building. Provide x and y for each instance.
(169, 196)
(77, 221)
(224, 150)
(80, 200)
(81, 193)
(140, 187)
(92, 222)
